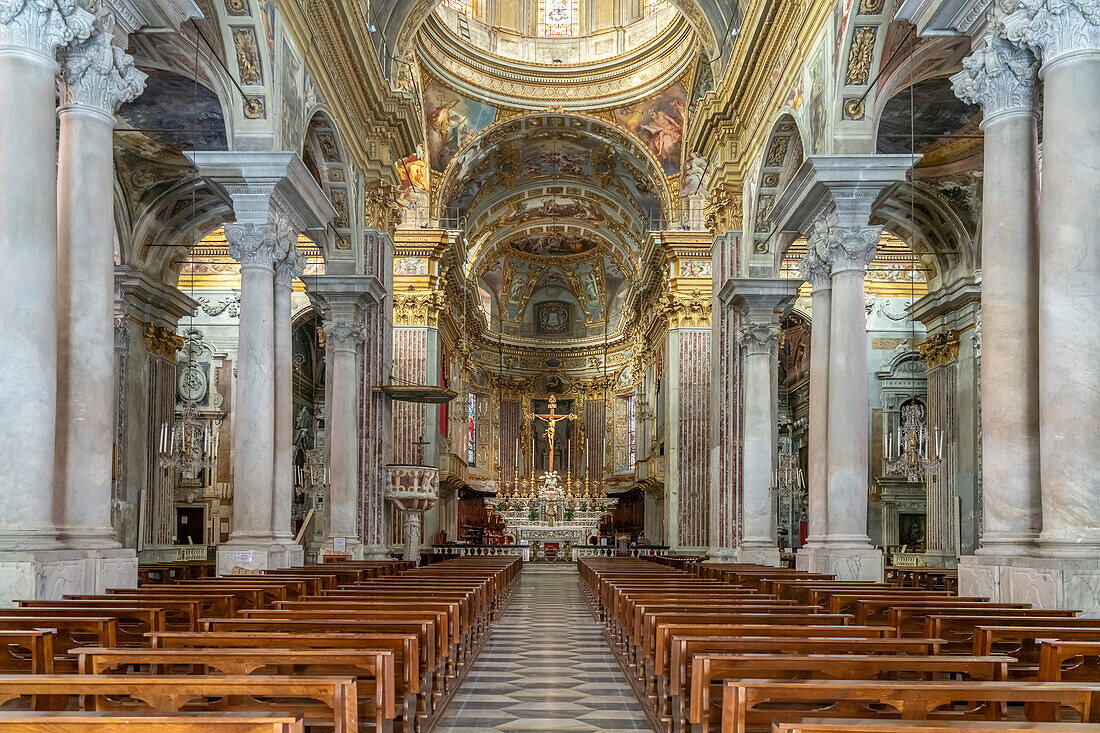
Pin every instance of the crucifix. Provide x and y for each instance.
(420, 448)
(552, 418)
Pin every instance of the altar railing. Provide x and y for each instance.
(484, 551)
(608, 551)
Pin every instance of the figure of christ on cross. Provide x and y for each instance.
(552, 419)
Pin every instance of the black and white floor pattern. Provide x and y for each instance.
(546, 667)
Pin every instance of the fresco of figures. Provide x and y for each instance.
(451, 120)
(659, 123)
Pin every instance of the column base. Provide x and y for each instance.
(1044, 582)
(51, 574)
(375, 552)
(722, 554)
(295, 553)
(846, 563)
(237, 556)
(758, 555)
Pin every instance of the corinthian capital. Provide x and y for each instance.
(844, 248)
(999, 75)
(758, 337)
(1054, 27)
(43, 25)
(812, 268)
(342, 335)
(290, 267)
(260, 244)
(96, 73)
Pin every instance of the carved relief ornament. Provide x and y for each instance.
(691, 310)
(43, 25)
(160, 341)
(940, 349)
(96, 73)
(1055, 27)
(999, 76)
(724, 211)
(418, 309)
(381, 208)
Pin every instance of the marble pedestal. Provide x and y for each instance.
(50, 574)
(1044, 582)
(253, 556)
(758, 555)
(846, 563)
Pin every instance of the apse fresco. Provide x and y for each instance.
(659, 123)
(452, 120)
(553, 243)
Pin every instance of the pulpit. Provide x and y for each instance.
(413, 490)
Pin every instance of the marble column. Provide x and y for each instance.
(343, 339)
(1064, 572)
(274, 199)
(1002, 78)
(30, 33)
(761, 305)
(344, 301)
(257, 247)
(1067, 37)
(847, 250)
(286, 270)
(816, 271)
(96, 76)
(758, 541)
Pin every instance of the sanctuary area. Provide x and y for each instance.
(550, 365)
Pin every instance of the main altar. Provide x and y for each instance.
(552, 508)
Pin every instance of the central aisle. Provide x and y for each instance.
(546, 667)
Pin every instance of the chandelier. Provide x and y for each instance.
(184, 444)
(910, 455)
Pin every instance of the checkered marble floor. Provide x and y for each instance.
(546, 667)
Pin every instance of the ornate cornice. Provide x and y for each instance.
(940, 349)
(999, 76)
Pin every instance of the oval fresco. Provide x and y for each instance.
(551, 244)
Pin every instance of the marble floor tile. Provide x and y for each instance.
(545, 669)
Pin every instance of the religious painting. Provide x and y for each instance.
(452, 120)
(553, 318)
(553, 243)
(659, 123)
(410, 266)
(589, 277)
(695, 268)
(911, 531)
(518, 277)
(553, 156)
(554, 208)
(412, 178)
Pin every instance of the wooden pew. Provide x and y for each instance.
(130, 627)
(92, 722)
(1022, 642)
(852, 725)
(708, 671)
(322, 700)
(27, 651)
(180, 614)
(749, 705)
(1054, 654)
(957, 629)
(403, 646)
(372, 669)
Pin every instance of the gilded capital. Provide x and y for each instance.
(381, 208)
(685, 310)
(418, 309)
(940, 349)
(724, 211)
(161, 341)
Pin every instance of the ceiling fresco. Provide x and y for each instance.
(553, 244)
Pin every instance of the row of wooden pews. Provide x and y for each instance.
(738, 648)
(375, 646)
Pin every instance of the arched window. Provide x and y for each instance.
(559, 18)
(652, 7)
(466, 7)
